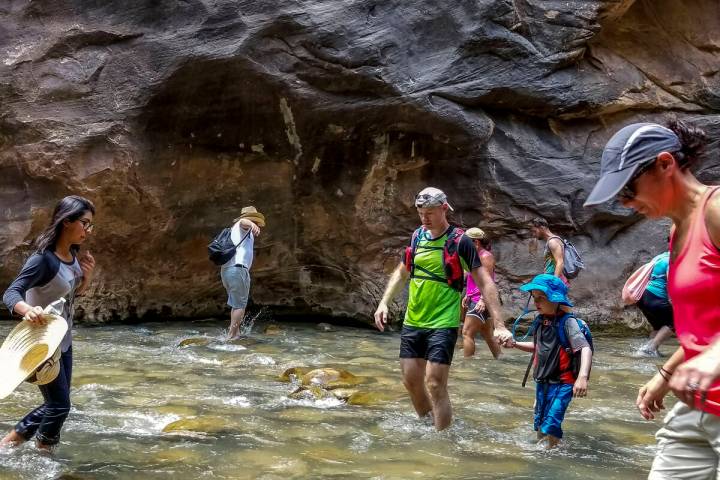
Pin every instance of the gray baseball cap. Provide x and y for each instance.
(431, 197)
(632, 147)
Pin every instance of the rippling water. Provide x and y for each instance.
(132, 381)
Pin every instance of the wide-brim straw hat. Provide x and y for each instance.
(27, 348)
(252, 214)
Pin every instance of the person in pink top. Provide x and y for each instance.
(473, 303)
(647, 166)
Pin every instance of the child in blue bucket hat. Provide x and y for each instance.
(562, 355)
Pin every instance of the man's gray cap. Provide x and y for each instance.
(431, 197)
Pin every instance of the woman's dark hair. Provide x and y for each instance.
(693, 140)
(69, 208)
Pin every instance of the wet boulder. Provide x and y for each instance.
(273, 329)
(293, 372)
(200, 425)
(194, 341)
(330, 378)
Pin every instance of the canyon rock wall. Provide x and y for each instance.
(329, 115)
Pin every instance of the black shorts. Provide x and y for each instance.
(435, 345)
(657, 310)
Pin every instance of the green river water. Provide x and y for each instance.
(130, 382)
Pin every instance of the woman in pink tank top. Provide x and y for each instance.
(647, 167)
(475, 316)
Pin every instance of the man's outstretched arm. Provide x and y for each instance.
(398, 279)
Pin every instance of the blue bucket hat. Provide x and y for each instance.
(553, 288)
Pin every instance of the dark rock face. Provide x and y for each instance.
(329, 116)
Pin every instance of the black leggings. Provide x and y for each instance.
(657, 310)
(46, 421)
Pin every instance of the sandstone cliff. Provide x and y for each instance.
(328, 115)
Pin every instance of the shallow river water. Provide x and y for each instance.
(131, 382)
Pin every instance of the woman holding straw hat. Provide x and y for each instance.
(235, 274)
(54, 271)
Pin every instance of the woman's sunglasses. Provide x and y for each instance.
(628, 191)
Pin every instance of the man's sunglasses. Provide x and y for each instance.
(427, 200)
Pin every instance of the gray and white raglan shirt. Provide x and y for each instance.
(44, 279)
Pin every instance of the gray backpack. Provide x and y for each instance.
(572, 262)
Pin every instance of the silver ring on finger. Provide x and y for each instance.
(693, 386)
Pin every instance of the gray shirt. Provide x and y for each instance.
(44, 279)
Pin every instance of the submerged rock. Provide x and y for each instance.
(367, 398)
(273, 329)
(312, 392)
(330, 378)
(196, 341)
(324, 327)
(203, 425)
(343, 393)
(323, 383)
(178, 455)
(293, 372)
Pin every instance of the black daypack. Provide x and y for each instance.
(222, 248)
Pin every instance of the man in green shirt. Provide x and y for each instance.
(432, 318)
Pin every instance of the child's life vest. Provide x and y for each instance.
(566, 364)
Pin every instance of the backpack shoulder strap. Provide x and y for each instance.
(453, 238)
(562, 241)
(457, 232)
(562, 330)
(535, 323)
(533, 328)
(416, 237)
(413, 248)
(243, 238)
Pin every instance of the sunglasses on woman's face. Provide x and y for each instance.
(628, 192)
(86, 224)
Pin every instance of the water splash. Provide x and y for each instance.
(249, 320)
(29, 463)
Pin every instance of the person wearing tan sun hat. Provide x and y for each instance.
(473, 303)
(235, 273)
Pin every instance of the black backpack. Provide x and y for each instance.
(222, 248)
